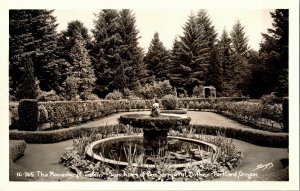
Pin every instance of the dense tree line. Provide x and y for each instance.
(76, 65)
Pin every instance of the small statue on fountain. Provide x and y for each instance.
(155, 109)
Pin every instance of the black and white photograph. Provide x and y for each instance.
(126, 97)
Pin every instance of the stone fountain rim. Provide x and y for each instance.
(130, 115)
(90, 153)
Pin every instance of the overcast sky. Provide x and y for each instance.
(168, 23)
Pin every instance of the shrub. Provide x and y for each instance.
(206, 105)
(140, 104)
(48, 96)
(115, 95)
(13, 115)
(126, 105)
(71, 85)
(16, 149)
(191, 105)
(42, 114)
(197, 105)
(169, 101)
(269, 99)
(89, 96)
(180, 104)
(133, 104)
(28, 115)
(285, 114)
(157, 89)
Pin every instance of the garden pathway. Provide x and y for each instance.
(45, 157)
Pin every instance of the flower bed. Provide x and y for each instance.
(255, 113)
(226, 157)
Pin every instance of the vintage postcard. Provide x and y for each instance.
(166, 95)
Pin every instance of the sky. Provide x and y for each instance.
(169, 22)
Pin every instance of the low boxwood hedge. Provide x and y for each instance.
(56, 135)
(16, 149)
(174, 111)
(258, 137)
(255, 136)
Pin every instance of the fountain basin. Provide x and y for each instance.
(162, 122)
(90, 151)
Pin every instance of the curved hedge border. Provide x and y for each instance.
(255, 136)
(55, 136)
(258, 137)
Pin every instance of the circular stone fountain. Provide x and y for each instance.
(154, 145)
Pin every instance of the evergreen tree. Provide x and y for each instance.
(33, 33)
(209, 31)
(274, 52)
(213, 72)
(131, 54)
(259, 80)
(239, 44)
(157, 59)
(214, 76)
(121, 80)
(227, 68)
(106, 50)
(67, 38)
(194, 53)
(66, 41)
(27, 89)
(21, 45)
(177, 72)
(81, 69)
(239, 40)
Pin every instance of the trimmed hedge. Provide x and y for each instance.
(28, 115)
(255, 136)
(58, 135)
(174, 111)
(66, 113)
(258, 137)
(16, 149)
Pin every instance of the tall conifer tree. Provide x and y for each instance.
(157, 59)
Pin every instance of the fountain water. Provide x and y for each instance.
(153, 145)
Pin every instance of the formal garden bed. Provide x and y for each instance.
(64, 119)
